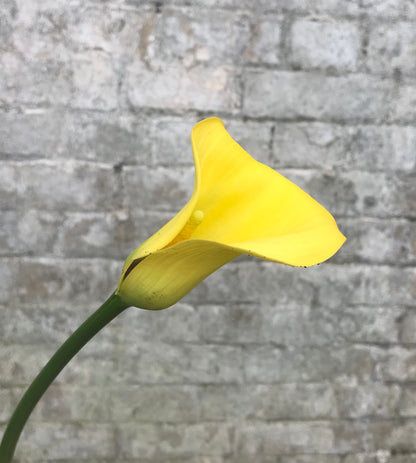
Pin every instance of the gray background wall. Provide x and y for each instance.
(262, 363)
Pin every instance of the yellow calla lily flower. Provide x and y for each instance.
(239, 206)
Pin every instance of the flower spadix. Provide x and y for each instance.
(239, 206)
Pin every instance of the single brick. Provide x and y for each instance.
(373, 457)
(408, 332)
(391, 47)
(169, 138)
(294, 401)
(63, 282)
(154, 404)
(89, 370)
(291, 95)
(31, 133)
(8, 275)
(268, 364)
(397, 364)
(180, 364)
(299, 326)
(285, 438)
(292, 458)
(90, 235)
(408, 401)
(363, 324)
(330, 7)
(265, 41)
(159, 189)
(49, 441)
(341, 285)
(114, 31)
(367, 400)
(39, 82)
(385, 241)
(19, 364)
(226, 4)
(107, 137)
(389, 9)
(356, 193)
(95, 82)
(57, 186)
(173, 87)
(241, 323)
(366, 147)
(309, 459)
(31, 231)
(395, 436)
(269, 402)
(235, 458)
(45, 324)
(8, 13)
(68, 403)
(9, 244)
(253, 282)
(318, 44)
(405, 103)
(188, 37)
(328, 285)
(8, 399)
(172, 326)
(173, 440)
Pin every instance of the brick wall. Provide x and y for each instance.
(261, 363)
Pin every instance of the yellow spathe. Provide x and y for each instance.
(239, 206)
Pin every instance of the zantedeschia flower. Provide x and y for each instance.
(239, 206)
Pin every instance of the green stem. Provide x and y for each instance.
(112, 307)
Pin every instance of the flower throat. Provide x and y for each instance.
(193, 222)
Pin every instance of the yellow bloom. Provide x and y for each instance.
(239, 206)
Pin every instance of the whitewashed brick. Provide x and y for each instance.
(408, 401)
(317, 44)
(289, 437)
(374, 240)
(358, 192)
(268, 402)
(155, 404)
(180, 364)
(174, 87)
(56, 186)
(150, 441)
(184, 36)
(392, 47)
(158, 189)
(330, 7)
(405, 103)
(390, 9)
(48, 441)
(397, 364)
(368, 400)
(95, 82)
(31, 133)
(408, 334)
(265, 41)
(290, 95)
(323, 145)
